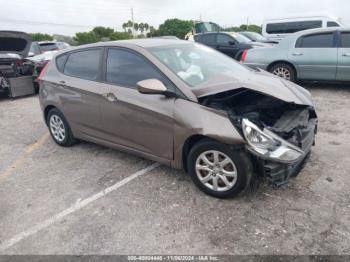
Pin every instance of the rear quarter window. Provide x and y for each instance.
(60, 61)
(83, 64)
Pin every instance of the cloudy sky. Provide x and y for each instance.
(71, 16)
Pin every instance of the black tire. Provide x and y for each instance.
(284, 66)
(68, 139)
(241, 161)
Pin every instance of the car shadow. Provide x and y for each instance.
(328, 86)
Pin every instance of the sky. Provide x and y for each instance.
(70, 16)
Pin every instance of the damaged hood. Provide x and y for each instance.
(12, 42)
(260, 81)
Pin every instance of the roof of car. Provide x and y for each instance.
(144, 43)
(321, 30)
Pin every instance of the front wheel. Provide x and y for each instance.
(218, 169)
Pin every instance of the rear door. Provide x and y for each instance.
(316, 56)
(137, 121)
(343, 69)
(206, 39)
(79, 90)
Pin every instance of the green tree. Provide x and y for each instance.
(86, 38)
(119, 36)
(102, 32)
(175, 27)
(41, 37)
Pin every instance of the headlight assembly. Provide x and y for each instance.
(268, 145)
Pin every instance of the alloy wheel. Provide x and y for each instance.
(282, 72)
(216, 170)
(57, 128)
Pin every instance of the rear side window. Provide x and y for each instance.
(345, 40)
(83, 64)
(332, 24)
(206, 39)
(316, 41)
(291, 27)
(126, 68)
(48, 47)
(60, 62)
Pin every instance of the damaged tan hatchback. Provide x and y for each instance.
(184, 105)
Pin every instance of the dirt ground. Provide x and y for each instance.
(53, 200)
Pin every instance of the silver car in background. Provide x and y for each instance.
(311, 55)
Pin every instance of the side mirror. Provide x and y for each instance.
(31, 54)
(153, 87)
(231, 42)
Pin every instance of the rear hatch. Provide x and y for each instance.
(12, 42)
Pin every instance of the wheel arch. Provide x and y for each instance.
(47, 110)
(284, 62)
(189, 143)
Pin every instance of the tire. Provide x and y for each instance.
(284, 70)
(242, 167)
(56, 121)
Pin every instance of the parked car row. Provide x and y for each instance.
(229, 43)
(21, 61)
(312, 55)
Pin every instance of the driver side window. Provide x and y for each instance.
(223, 39)
(126, 68)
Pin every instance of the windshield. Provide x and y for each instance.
(254, 36)
(240, 38)
(196, 64)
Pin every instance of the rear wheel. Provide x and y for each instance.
(59, 128)
(218, 169)
(284, 70)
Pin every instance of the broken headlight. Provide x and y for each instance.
(268, 145)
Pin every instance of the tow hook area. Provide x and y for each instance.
(278, 174)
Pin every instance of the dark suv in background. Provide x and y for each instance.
(229, 43)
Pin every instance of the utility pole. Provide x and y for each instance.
(248, 23)
(132, 19)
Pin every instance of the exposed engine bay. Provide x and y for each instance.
(296, 124)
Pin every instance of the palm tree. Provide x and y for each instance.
(125, 26)
(136, 27)
(146, 27)
(142, 27)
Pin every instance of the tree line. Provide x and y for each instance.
(173, 27)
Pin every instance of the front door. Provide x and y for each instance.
(138, 121)
(343, 69)
(316, 56)
(227, 45)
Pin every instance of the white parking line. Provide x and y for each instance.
(77, 206)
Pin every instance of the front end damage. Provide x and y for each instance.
(279, 134)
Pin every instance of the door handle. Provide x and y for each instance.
(346, 54)
(297, 54)
(110, 97)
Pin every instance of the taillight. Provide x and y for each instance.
(244, 56)
(42, 73)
